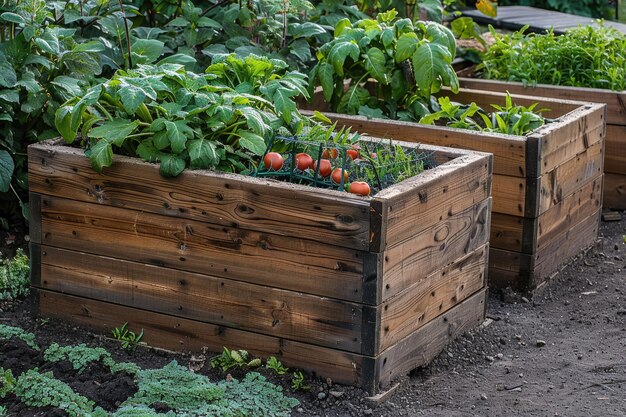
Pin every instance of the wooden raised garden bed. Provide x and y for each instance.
(615, 142)
(547, 185)
(358, 289)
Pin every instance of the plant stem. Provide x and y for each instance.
(130, 59)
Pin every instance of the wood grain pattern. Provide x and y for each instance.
(229, 200)
(614, 191)
(188, 245)
(615, 100)
(259, 308)
(514, 233)
(426, 299)
(421, 255)
(176, 333)
(615, 145)
(421, 347)
(509, 195)
(415, 205)
(568, 177)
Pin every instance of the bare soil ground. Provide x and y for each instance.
(561, 352)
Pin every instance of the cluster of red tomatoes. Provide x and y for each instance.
(304, 161)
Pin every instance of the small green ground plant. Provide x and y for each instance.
(233, 358)
(14, 277)
(583, 57)
(80, 356)
(7, 332)
(128, 339)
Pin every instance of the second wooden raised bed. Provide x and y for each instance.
(358, 289)
(547, 187)
(615, 142)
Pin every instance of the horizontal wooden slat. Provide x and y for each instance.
(421, 255)
(568, 177)
(615, 154)
(179, 243)
(572, 210)
(271, 311)
(514, 233)
(428, 298)
(416, 205)
(614, 191)
(509, 195)
(229, 200)
(423, 346)
(509, 151)
(615, 100)
(175, 333)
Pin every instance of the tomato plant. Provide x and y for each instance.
(325, 167)
(304, 161)
(336, 176)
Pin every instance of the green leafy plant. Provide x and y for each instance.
(385, 66)
(40, 390)
(585, 57)
(230, 359)
(166, 114)
(7, 332)
(593, 8)
(298, 382)
(14, 277)
(276, 366)
(80, 356)
(7, 382)
(129, 339)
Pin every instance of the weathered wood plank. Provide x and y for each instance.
(169, 332)
(416, 204)
(615, 100)
(426, 299)
(514, 233)
(580, 205)
(509, 151)
(614, 191)
(615, 154)
(421, 255)
(34, 221)
(423, 346)
(271, 311)
(229, 200)
(508, 268)
(574, 136)
(179, 243)
(568, 177)
(509, 195)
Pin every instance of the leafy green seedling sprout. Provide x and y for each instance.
(276, 366)
(298, 383)
(129, 339)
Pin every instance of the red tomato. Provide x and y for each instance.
(304, 161)
(325, 167)
(336, 176)
(374, 156)
(360, 188)
(352, 154)
(330, 153)
(273, 160)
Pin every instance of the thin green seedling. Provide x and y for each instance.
(129, 339)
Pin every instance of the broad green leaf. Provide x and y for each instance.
(181, 59)
(177, 134)
(252, 142)
(101, 155)
(85, 63)
(325, 74)
(387, 37)
(171, 165)
(114, 131)
(6, 170)
(399, 85)
(375, 64)
(285, 105)
(371, 113)
(387, 17)
(301, 49)
(69, 84)
(255, 121)
(432, 68)
(202, 154)
(150, 49)
(8, 78)
(10, 96)
(487, 8)
(440, 34)
(433, 9)
(353, 99)
(206, 22)
(147, 151)
(341, 26)
(339, 52)
(12, 18)
(463, 27)
(179, 22)
(62, 121)
(406, 46)
(48, 42)
(131, 97)
(34, 102)
(91, 46)
(306, 29)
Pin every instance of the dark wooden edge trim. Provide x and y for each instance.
(35, 297)
(529, 234)
(489, 183)
(531, 198)
(34, 203)
(533, 156)
(486, 271)
(372, 278)
(369, 375)
(378, 225)
(35, 264)
(370, 330)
